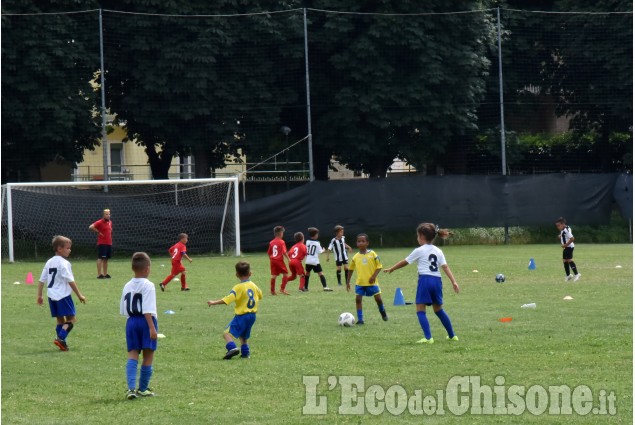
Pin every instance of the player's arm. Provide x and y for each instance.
(569, 241)
(40, 286)
(94, 229)
(448, 272)
(373, 278)
(75, 289)
(348, 248)
(349, 274)
(188, 258)
(402, 263)
(215, 302)
(153, 330)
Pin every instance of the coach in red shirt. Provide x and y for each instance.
(103, 228)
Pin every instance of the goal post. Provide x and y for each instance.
(147, 215)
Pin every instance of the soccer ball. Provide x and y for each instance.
(500, 278)
(346, 320)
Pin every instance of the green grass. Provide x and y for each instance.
(587, 341)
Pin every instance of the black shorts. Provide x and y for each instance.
(341, 263)
(314, 267)
(104, 251)
(567, 253)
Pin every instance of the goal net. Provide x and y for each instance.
(147, 216)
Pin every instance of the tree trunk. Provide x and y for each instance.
(159, 163)
(321, 163)
(201, 163)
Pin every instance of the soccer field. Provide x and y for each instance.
(584, 342)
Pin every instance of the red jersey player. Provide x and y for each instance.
(177, 252)
(277, 253)
(297, 253)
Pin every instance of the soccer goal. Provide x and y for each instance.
(147, 215)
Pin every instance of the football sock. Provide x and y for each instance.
(425, 325)
(131, 373)
(573, 267)
(273, 284)
(230, 345)
(566, 268)
(306, 281)
(303, 284)
(144, 377)
(445, 319)
(63, 333)
(323, 280)
(58, 328)
(382, 309)
(183, 284)
(167, 280)
(339, 277)
(285, 279)
(244, 350)
(360, 315)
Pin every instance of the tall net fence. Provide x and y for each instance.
(420, 88)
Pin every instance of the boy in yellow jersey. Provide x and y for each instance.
(246, 296)
(367, 265)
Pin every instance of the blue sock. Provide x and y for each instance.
(144, 377)
(445, 319)
(360, 315)
(425, 325)
(58, 328)
(62, 333)
(230, 345)
(131, 373)
(244, 350)
(382, 309)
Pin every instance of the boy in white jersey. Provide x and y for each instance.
(58, 277)
(566, 241)
(429, 289)
(313, 251)
(139, 304)
(340, 250)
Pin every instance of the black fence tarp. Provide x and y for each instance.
(401, 203)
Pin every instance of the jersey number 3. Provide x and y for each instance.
(434, 267)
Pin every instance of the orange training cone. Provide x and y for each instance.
(29, 278)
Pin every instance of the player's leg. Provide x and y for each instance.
(380, 305)
(146, 373)
(234, 330)
(131, 373)
(338, 273)
(436, 293)
(307, 276)
(286, 279)
(303, 286)
(566, 258)
(104, 266)
(422, 298)
(358, 306)
(184, 286)
(273, 284)
(323, 281)
(244, 348)
(573, 267)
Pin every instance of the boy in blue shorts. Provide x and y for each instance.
(429, 289)
(58, 277)
(367, 264)
(139, 304)
(246, 296)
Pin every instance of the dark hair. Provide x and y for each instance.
(363, 235)
(561, 220)
(140, 260)
(338, 228)
(277, 230)
(59, 241)
(430, 231)
(313, 231)
(298, 236)
(243, 268)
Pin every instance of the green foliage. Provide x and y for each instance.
(586, 341)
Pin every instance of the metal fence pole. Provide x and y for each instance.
(104, 137)
(502, 106)
(308, 98)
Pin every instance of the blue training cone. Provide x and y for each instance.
(399, 300)
(532, 264)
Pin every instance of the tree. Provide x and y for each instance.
(48, 102)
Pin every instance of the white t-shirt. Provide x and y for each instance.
(138, 298)
(565, 235)
(313, 251)
(429, 259)
(56, 275)
(338, 246)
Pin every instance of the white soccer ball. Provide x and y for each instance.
(346, 320)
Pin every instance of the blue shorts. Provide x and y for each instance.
(104, 251)
(367, 291)
(138, 333)
(63, 307)
(240, 326)
(429, 290)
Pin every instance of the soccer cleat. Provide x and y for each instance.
(101, 276)
(273, 293)
(147, 393)
(426, 341)
(327, 289)
(231, 353)
(61, 344)
(162, 286)
(577, 277)
(384, 317)
(284, 292)
(360, 322)
(245, 357)
(107, 276)
(454, 338)
(187, 288)
(131, 394)
(568, 278)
